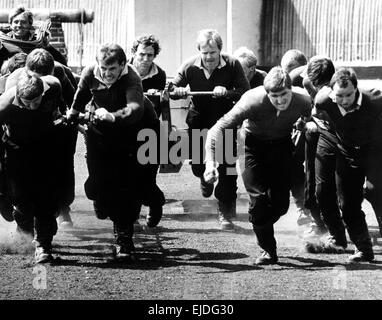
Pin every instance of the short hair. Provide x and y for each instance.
(17, 61)
(19, 10)
(277, 80)
(343, 76)
(146, 41)
(320, 71)
(29, 87)
(206, 36)
(247, 55)
(110, 53)
(292, 59)
(40, 61)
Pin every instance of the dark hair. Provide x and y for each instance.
(146, 41)
(277, 80)
(110, 53)
(40, 61)
(320, 71)
(343, 76)
(29, 87)
(17, 61)
(292, 59)
(19, 10)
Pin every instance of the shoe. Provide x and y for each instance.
(314, 231)
(154, 216)
(137, 226)
(64, 219)
(304, 217)
(225, 223)
(267, 258)
(206, 188)
(330, 245)
(42, 255)
(362, 256)
(124, 253)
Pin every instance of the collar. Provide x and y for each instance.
(97, 75)
(357, 106)
(153, 71)
(198, 63)
(17, 102)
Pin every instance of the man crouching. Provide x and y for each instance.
(28, 110)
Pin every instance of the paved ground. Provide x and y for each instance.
(187, 257)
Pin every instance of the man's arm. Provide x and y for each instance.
(6, 100)
(83, 94)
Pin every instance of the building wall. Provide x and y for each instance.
(348, 31)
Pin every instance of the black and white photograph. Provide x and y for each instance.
(189, 157)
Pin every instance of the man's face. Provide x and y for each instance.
(21, 26)
(345, 97)
(281, 99)
(143, 58)
(110, 72)
(248, 71)
(32, 104)
(210, 55)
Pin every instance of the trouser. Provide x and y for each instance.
(226, 187)
(351, 170)
(68, 136)
(326, 190)
(267, 179)
(373, 189)
(32, 184)
(298, 175)
(114, 183)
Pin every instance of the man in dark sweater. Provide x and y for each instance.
(269, 113)
(32, 145)
(145, 49)
(222, 74)
(357, 122)
(115, 175)
(248, 61)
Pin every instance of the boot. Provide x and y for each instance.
(124, 247)
(64, 219)
(226, 211)
(364, 249)
(267, 258)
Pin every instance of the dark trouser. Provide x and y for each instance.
(152, 194)
(298, 175)
(114, 183)
(68, 134)
(226, 187)
(267, 179)
(326, 190)
(351, 170)
(32, 184)
(373, 189)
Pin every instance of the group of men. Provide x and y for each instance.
(339, 142)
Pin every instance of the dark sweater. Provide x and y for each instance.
(357, 128)
(207, 110)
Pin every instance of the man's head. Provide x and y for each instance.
(16, 61)
(209, 44)
(278, 86)
(29, 90)
(344, 85)
(248, 61)
(293, 59)
(111, 60)
(320, 71)
(21, 21)
(145, 49)
(40, 62)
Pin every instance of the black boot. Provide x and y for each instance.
(124, 247)
(267, 242)
(364, 248)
